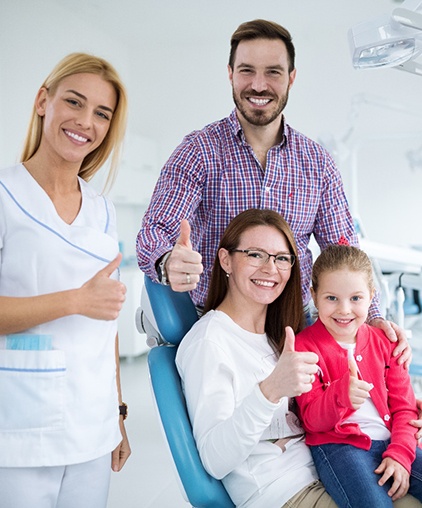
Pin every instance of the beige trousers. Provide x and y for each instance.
(315, 496)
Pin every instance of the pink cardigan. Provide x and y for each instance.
(324, 409)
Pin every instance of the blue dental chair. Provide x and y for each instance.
(174, 314)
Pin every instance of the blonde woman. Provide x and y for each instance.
(61, 430)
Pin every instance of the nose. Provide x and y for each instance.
(269, 266)
(259, 83)
(84, 118)
(343, 307)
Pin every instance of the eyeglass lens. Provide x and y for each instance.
(260, 258)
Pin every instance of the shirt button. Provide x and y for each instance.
(387, 418)
(267, 189)
(359, 358)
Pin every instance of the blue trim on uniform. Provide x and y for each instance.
(55, 232)
(14, 369)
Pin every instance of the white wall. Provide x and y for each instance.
(173, 57)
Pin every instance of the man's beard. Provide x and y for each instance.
(258, 117)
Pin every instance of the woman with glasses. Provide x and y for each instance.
(240, 370)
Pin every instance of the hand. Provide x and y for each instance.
(418, 423)
(102, 297)
(395, 333)
(391, 468)
(358, 389)
(293, 374)
(122, 452)
(184, 261)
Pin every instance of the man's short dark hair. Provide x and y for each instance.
(262, 29)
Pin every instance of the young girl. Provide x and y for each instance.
(356, 416)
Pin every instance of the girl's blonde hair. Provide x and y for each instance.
(337, 257)
(78, 63)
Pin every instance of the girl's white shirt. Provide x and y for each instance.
(367, 416)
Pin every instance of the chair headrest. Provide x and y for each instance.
(174, 312)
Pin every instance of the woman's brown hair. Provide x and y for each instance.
(287, 309)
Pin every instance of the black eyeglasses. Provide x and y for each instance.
(259, 258)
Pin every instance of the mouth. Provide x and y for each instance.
(259, 102)
(76, 137)
(264, 283)
(343, 322)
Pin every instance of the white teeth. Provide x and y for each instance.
(259, 102)
(267, 284)
(76, 136)
(343, 320)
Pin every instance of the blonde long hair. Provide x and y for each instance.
(78, 63)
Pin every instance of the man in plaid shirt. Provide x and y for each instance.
(251, 159)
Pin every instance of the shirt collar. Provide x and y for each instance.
(238, 131)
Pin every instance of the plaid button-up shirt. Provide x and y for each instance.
(213, 175)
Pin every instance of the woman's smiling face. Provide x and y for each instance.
(250, 284)
(77, 116)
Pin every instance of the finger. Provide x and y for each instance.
(386, 476)
(418, 425)
(403, 351)
(111, 267)
(289, 341)
(380, 469)
(115, 459)
(184, 237)
(398, 490)
(353, 368)
(386, 327)
(399, 486)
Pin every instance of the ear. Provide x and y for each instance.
(225, 260)
(230, 72)
(292, 77)
(313, 294)
(41, 101)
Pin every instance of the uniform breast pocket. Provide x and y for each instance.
(32, 385)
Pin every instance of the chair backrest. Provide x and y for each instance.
(175, 314)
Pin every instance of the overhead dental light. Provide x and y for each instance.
(390, 40)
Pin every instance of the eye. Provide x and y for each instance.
(255, 254)
(355, 298)
(73, 102)
(103, 115)
(331, 298)
(283, 258)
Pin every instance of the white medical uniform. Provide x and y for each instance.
(60, 406)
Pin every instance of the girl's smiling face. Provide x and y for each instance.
(343, 299)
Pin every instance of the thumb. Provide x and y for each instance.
(111, 267)
(353, 368)
(184, 237)
(289, 341)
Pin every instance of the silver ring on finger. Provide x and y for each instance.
(188, 278)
